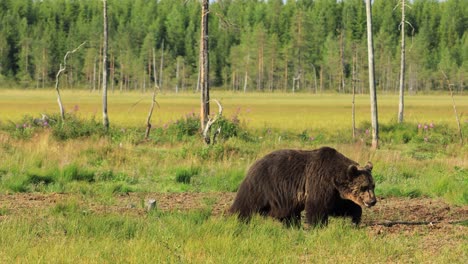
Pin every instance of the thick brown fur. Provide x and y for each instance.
(323, 182)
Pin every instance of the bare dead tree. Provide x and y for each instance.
(153, 101)
(373, 93)
(63, 67)
(454, 107)
(210, 122)
(105, 69)
(204, 67)
(402, 65)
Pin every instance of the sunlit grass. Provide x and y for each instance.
(195, 238)
(296, 112)
(98, 168)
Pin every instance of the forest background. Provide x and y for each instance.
(255, 45)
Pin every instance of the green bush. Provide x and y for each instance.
(74, 127)
(398, 133)
(185, 127)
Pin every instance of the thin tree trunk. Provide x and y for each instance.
(112, 71)
(105, 117)
(99, 67)
(260, 68)
(343, 83)
(204, 66)
(285, 88)
(198, 81)
(154, 68)
(271, 74)
(454, 108)
(44, 70)
(315, 78)
(94, 75)
(373, 93)
(144, 80)
(321, 79)
(246, 72)
(182, 83)
(354, 95)
(161, 66)
(177, 76)
(402, 64)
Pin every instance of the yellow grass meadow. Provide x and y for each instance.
(294, 112)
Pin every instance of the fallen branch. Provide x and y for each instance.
(430, 223)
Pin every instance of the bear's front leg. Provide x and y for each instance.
(347, 208)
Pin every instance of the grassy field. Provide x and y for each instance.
(294, 112)
(64, 191)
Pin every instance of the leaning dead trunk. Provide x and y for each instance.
(153, 101)
(63, 67)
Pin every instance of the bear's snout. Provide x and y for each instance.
(370, 203)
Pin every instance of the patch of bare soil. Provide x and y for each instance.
(390, 215)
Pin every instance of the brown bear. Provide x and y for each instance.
(323, 182)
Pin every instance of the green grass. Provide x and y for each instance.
(96, 166)
(194, 237)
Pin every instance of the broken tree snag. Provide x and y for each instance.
(63, 67)
(210, 122)
(151, 205)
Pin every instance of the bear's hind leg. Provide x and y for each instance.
(293, 220)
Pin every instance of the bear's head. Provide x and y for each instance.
(358, 185)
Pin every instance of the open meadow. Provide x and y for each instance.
(74, 193)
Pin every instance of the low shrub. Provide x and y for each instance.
(184, 175)
(73, 172)
(185, 127)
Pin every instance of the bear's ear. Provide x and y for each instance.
(352, 171)
(369, 166)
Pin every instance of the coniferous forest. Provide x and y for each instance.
(255, 45)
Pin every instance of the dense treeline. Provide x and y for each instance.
(301, 45)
